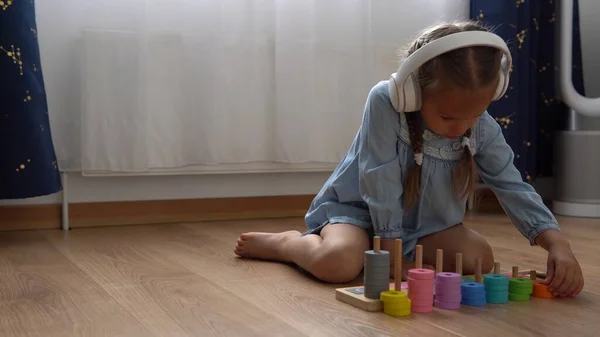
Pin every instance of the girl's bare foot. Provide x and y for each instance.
(264, 246)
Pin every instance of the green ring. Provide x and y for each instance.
(518, 297)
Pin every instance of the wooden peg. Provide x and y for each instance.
(532, 275)
(439, 261)
(377, 244)
(515, 271)
(478, 277)
(419, 257)
(496, 267)
(459, 263)
(398, 266)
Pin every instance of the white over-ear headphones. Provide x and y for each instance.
(404, 89)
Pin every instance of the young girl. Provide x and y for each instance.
(403, 174)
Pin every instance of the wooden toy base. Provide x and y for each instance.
(356, 298)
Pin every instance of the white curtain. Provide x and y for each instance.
(143, 85)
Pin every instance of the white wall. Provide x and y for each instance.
(200, 186)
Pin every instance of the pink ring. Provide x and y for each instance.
(421, 274)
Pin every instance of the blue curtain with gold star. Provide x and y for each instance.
(28, 165)
(529, 112)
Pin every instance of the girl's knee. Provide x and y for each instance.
(459, 239)
(487, 259)
(340, 257)
(338, 263)
(478, 249)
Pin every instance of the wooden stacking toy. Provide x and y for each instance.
(420, 285)
(478, 276)
(496, 286)
(398, 265)
(373, 275)
(519, 288)
(427, 288)
(473, 293)
(447, 286)
(396, 302)
(540, 290)
(377, 270)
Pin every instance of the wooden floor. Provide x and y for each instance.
(183, 280)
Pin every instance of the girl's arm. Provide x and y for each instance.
(380, 175)
(519, 200)
(525, 208)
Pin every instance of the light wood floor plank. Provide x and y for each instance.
(43, 294)
(161, 292)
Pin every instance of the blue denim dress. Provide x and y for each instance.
(365, 189)
(28, 164)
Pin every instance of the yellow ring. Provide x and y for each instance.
(393, 296)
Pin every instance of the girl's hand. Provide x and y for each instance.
(563, 274)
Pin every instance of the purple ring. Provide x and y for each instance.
(448, 298)
(447, 306)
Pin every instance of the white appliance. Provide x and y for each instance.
(577, 157)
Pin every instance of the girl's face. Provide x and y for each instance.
(450, 112)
